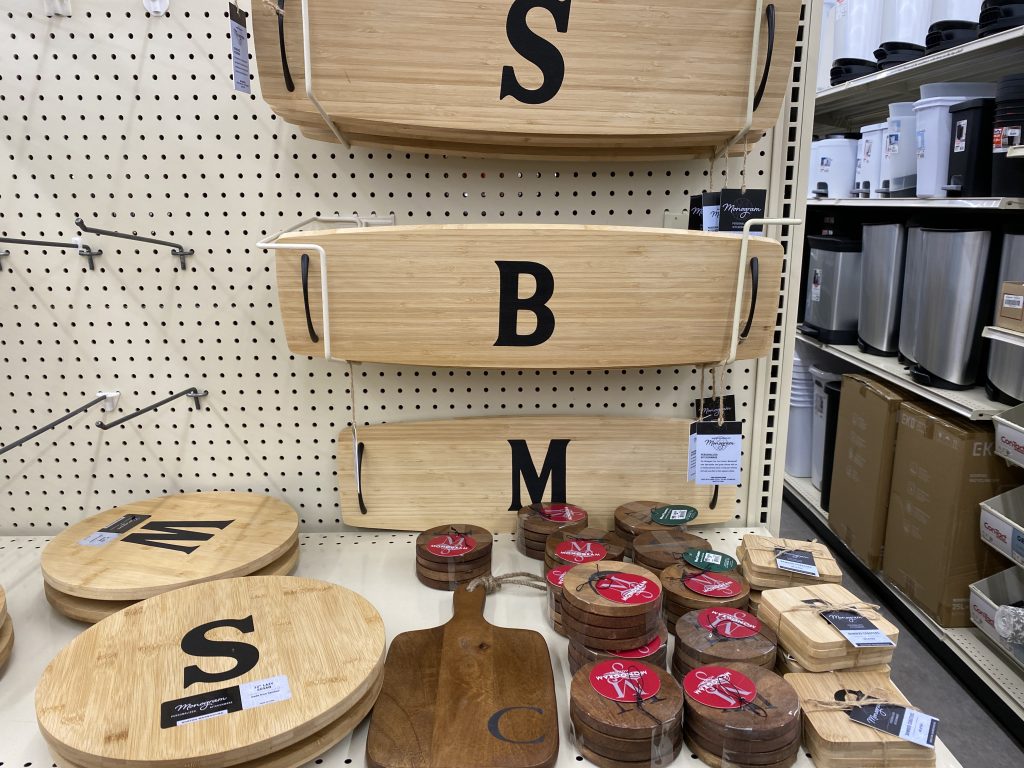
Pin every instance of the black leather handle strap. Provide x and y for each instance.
(359, 476)
(754, 270)
(769, 13)
(305, 298)
(288, 82)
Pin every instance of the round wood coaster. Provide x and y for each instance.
(302, 751)
(658, 550)
(454, 543)
(6, 641)
(446, 568)
(297, 653)
(626, 720)
(634, 518)
(642, 622)
(738, 744)
(609, 643)
(547, 517)
(446, 585)
(442, 574)
(735, 759)
(148, 547)
(607, 762)
(681, 599)
(612, 589)
(90, 611)
(657, 748)
(733, 636)
(585, 545)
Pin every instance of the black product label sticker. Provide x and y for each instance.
(797, 561)
(203, 706)
(857, 629)
(125, 523)
(909, 724)
(708, 408)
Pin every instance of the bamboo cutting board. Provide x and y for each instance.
(471, 465)
(527, 296)
(280, 658)
(525, 79)
(167, 542)
(465, 694)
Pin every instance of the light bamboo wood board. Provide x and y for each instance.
(611, 78)
(416, 475)
(186, 538)
(619, 296)
(6, 640)
(104, 699)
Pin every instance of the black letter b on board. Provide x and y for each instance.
(531, 46)
(510, 305)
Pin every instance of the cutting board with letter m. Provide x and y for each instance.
(419, 474)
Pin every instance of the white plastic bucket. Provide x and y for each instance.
(934, 125)
(826, 46)
(833, 164)
(868, 175)
(821, 378)
(858, 28)
(798, 442)
(956, 10)
(899, 160)
(963, 90)
(906, 21)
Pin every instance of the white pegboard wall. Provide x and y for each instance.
(131, 123)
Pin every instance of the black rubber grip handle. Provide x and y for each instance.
(288, 82)
(769, 12)
(359, 476)
(714, 499)
(305, 298)
(754, 270)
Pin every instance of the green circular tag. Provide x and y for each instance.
(709, 560)
(673, 514)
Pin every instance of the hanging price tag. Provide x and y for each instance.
(239, 49)
(715, 453)
(909, 724)
(858, 630)
(797, 561)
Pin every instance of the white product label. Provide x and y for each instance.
(269, 691)
(919, 728)
(98, 539)
(796, 561)
(716, 457)
(892, 142)
(239, 49)
(960, 137)
(920, 143)
(1013, 301)
(816, 285)
(712, 213)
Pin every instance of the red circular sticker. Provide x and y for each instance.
(451, 545)
(713, 585)
(563, 513)
(627, 588)
(719, 687)
(557, 575)
(642, 652)
(729, 622)
(581, 551)
(628, 682)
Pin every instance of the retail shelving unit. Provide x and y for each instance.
(966, 203)
(1004, 335)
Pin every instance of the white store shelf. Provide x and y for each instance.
(1002, 334)
(972, 403)
(366, 563)
(969, 644)
(866, 99)
(973, 203)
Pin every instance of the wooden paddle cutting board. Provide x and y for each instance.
(527, 296)
(465, 694)
(489, 468)
(147, 547)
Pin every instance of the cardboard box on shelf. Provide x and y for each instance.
(944, 467)
(1010, 308)
(862, 471)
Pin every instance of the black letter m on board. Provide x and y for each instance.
(524, 468)
(169, 531)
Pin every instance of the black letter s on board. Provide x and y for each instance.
(531, 46)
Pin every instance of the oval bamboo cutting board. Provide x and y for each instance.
(494, 77)
(465, 694)
(527, 296)
(6, 631)
(148, 547)
(278, 658)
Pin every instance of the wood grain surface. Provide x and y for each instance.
(90, 611)
(658, 550)
(481, 537)
(757, 559)
(466, 693)
(219, 535)
(326, 640)
(429, 295)
(6, 641)
(431, 74)
(634, 518)
(577, 589)
(709, 647)
(467, 463)
(659, 714)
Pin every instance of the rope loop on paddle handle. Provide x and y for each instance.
(492, 584)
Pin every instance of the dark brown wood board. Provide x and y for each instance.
(467, 694)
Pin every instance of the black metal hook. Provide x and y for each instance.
(57, 422)
(192, 392)
(176, 249)
(81, 248)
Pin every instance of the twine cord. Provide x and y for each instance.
(492, 584)
(274, 7)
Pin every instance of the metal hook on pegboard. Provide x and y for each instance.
(76, 244)
(109, 400)
(57, 8)
(180, 251)
(192, 392)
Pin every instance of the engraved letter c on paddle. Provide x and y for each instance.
(494, 725)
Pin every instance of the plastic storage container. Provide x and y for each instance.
(906, 21)
(858, 29)
(955, 10)
(899, 160)
(970, 149)
(826, 46)
(868, 176)
(1008, 122)
(821, 378)
(801, 403)
(833, 167)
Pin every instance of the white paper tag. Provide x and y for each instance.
(858, 630)
(239, 49)
(909, 724)
(1013, 301)
(260, 692)
(98, 539)
(816, 285)
(712, 216)
(797, 561)
(715, 453)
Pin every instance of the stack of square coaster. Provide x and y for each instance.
(453, 554)
(626, 714)
(721, 636)
(812, 641)
(611, 606)
(584, 545)
(837, 741)
(538, 521)
(759, 562)
(654, 653)
(6, 631)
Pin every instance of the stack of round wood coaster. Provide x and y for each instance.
(658, 550)
(626, 713)
(611, 606)
(755, 599)
(654, 653)
(757, 562)
(835, 740)
(118, 557)
(691, 589)
(6, 631)
(584, 545)
(262, 670)
(741, 716)
(814, 643)
(454, 554)
(721, 636)
(635, 518)
(538, 521)
(555, 577)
